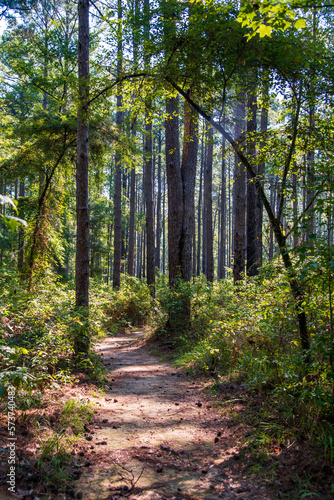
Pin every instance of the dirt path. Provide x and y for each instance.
(157, 437)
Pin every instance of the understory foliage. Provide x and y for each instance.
(38, 328)
(245, 334)
(248, 335)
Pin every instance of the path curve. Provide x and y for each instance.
(157, 437)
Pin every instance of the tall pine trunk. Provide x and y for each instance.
(20, 252)
(208, 208)
(188, 174)
(82, 208)
(118, 166)
(150, 250)
(240, 196)
(158, 226)
(81, 343)
(223, 242)
(254, 236)
(175, 191)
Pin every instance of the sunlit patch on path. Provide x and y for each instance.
(156, 437)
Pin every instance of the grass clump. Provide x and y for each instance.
(76, 415)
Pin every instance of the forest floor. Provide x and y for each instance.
(158, 434)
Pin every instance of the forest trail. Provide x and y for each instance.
(156, 436)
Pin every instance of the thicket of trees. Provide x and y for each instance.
(210, 143)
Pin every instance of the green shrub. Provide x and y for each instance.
(131, 305)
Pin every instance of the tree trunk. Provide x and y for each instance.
(208, 208)
(20, 253)
(149, 197)
(158, 230)
(82, 247)
(81, 341)
(188, 174)
(150, 250)
(261, 168)
(222, 248)
(164, 226)
(175, 191)
(131, 252)
(240, 196)
(118, 167)
(199, 210)
(254, 247)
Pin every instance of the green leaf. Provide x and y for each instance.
(12, 222)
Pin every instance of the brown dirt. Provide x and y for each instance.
(158, 434)
(158, 437)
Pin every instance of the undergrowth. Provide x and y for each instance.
(39, 328)
(248, 336)
(54, 454)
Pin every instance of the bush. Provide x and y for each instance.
(131, 305)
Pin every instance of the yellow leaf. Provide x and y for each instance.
(264, 30)
(301, 23)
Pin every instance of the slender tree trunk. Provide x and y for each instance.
(164, 227)
(222, 248)
(199, 210)
(149, 197)
(261, 168)
(310, 227)
(254, 247)
(175, 191)
(131, 253)
(150, 250)
(118, 167)
(295, 206)
(240, 196)
(81, 341)
(20, 254)
(124, 229)
(273, 205)
(188, 174)
(82, 249)
(204, 217)
(208, 207)
(230, 209)
(158, 230)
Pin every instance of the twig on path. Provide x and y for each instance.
(128, 476)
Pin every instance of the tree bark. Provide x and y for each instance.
(118, 167)
(150, 250)
(208, 208)
(82, 249)
(175, 191)
(188, 174)
(149, 197)
(81, 343)
(222, 247)
(199, 209)
(131, 252)
(158, 226)
(20, 253)
(254, 236)
(240, 196)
